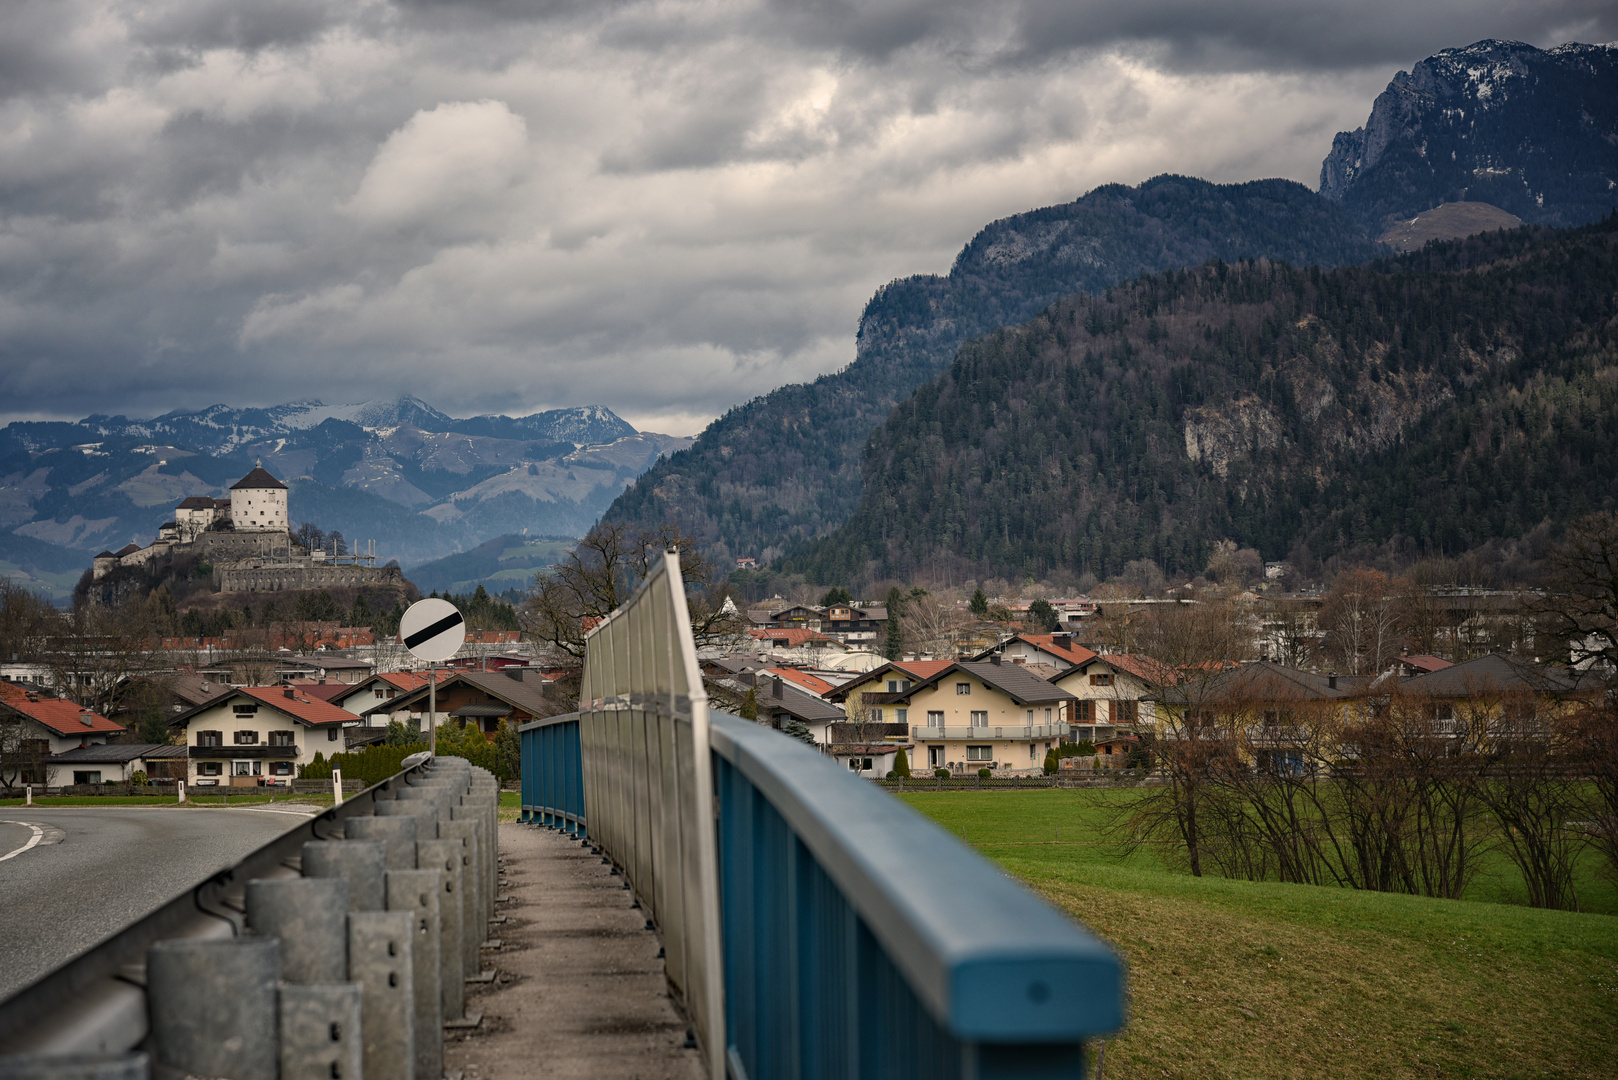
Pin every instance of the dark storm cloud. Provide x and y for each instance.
(662, 205)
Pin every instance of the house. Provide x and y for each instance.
(1492, 685)
(481, 698)
(855, 624)
(1411, 666)
(977, 714)
(116, 763)
(57, 723)
(256, 735)
(779, 700)
(1056, 650)
(367, 697)
(1111, 691)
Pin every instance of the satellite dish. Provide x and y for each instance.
(433, 630)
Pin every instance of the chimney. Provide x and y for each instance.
(775, 691)
(87, 719)
(514, 673)
(1331, 680)
(1062, 641)
(994, 658)
(292, 695)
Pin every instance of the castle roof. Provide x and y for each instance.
(258, 478)
(127, 549)
(106, 555)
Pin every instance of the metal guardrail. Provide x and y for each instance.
(852, 936)
(553, 774)
(341, 945)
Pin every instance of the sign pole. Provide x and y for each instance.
(433, 630)
(432, 711)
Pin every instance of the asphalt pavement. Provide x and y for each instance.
(91, 871)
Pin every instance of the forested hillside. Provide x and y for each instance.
(785, 468)
(1462, 393)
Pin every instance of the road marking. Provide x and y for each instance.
(307, 812)
(39, 834)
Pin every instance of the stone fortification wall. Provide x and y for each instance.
(226, 545)
(273, 578)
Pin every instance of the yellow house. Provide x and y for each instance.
(964, 716)
(257, 735)
(1112, 691)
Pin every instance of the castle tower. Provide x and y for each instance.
(258, 502)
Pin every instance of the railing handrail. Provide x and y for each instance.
(547, 721)
(963, 731)
(991, 961)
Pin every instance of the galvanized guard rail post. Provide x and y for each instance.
(854, 938)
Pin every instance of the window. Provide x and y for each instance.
(246, 738)
(210, 738)
(876, 716)
(282, 738)
(1128, 712)
(1084, 712)
(935, 756)
(980, 719)
(1030, 751)
(280, 768)
(332, 733)
(93, 777)
(901, 716)
(210, 768)
(978, 753)
(1101, 680)
(893, 686)
(246, 768)
(1030, 717)
(935, 718)
(962, 689)
(244, 710)
(1047, 716)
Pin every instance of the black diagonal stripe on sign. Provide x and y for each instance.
(427, 633)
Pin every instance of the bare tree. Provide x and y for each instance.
(601, 573)
(27, 622)
(1580, 602)
(23, 754)
(1361, 617)
(933, 626)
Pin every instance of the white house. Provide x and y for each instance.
(258, 503)
(259, 735)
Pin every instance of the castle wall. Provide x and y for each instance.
(276, 578)
(228, 546)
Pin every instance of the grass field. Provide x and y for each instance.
(1240, 979)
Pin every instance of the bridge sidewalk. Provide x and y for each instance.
(581, 992)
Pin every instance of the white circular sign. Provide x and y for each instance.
(432, 630)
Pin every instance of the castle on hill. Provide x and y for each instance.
(248, 540)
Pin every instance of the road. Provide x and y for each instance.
(94, 870)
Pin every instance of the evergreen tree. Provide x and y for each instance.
(836, 595)
(749, 709)
(980, 604)
(901, 764)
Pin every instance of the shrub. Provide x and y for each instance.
(137, 778)
(318, 768)
(984, 774)
(942, 774)
(901, 765)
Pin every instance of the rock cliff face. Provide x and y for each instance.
(1532, 131)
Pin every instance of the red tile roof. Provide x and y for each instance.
(813, 683)
(1426, 662)
(1143, 668)
(300, 706)
(64, 717)
(793, 637)
(1047, 643)
(923, 669)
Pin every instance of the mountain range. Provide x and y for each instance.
(420, 483)
(1439, 400)
(1472, 139)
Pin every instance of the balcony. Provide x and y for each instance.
(230, 750)
(866, 733)
(938, 734)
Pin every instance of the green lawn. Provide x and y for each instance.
(1240, 979)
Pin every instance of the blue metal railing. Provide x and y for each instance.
(858, 938)
(553, 774)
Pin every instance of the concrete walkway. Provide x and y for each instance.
(580, 991)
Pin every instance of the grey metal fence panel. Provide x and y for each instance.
(643, 725)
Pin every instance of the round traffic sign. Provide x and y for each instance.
(432, 630)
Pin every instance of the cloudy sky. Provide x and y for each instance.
(665, 207)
